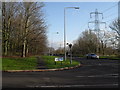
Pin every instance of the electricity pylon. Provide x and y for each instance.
(97, 23)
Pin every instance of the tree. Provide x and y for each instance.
(31, 22)
(86, 43)
(8, 11)
(107, 40)
(115, 26)
(24, 28)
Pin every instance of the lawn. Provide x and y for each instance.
(0, 63)
(50, 62)
(28, 63)
(113, 57)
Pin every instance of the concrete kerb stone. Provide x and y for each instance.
(42, 70)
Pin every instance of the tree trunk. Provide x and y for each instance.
(5, 52)
(24, 48)
(27, 50)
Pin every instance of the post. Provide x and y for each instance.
(70, 56)
(64, 35)
(52, 41)
(70, 46)
(61, 62)
(65, 29)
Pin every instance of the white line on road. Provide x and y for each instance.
(101, 64)
(37, 86)
(105, 75)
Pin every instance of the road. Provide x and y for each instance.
(94, 73)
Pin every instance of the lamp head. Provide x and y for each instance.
(76, 7)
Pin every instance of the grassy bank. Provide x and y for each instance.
(28, 63)
(0, 63)
(114, 57)
(50, 62)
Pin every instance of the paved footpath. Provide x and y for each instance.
(92, 74)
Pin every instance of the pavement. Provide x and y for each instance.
(93, 73)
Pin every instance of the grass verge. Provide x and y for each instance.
(0, 63)
(50, 62)
(113, 57)
(28, 63)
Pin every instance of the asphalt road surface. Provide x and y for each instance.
(94, 73)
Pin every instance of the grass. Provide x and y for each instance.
(28, 63)
(111, 57)
(50, 63)
(0, 63)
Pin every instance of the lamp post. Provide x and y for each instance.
(51, 49)
(65, 29)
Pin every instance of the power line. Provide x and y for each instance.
(110, 20)
(109, 8)
(85, 24)
(104, 12)
(112, 14)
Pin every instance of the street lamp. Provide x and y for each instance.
(65, 29)
(51, 49)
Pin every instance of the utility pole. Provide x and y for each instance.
(119, 14)
(65, 28)
(97, 23)
(51, 50)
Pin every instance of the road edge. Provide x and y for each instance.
(42, 70)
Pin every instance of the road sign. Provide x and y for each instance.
(59, 59)
(56, 59)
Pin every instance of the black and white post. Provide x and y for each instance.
(70, 46)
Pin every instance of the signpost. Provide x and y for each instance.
(58, 59)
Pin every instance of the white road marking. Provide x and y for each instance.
(105, 75)
(38, 86)
(101, 64)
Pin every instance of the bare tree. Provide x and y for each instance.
(115, 26)
(24, 28)
(86, 43)
(8, 11)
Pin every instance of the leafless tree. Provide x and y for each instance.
(24, 28)
(86, 43)
(115, 26)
